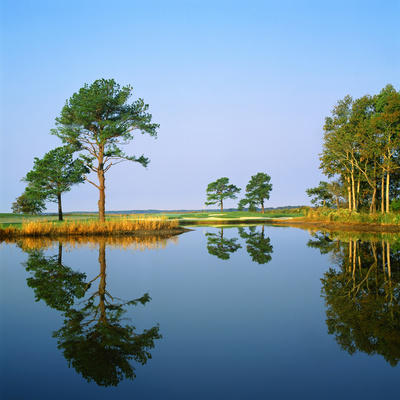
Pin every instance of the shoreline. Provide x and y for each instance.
(138, 233)
(185, 224)
(300, 223)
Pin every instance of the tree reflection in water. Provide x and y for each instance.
(257, 245)
(221, 247)
(53, 282)
(362, 295)
(93, 338)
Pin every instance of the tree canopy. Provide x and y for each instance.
(219, 191)
(321, 195)
(257, 191)
(362, 148)
(55, 174)
(30, 202)
(97, 121)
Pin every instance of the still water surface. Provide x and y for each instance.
(248, 313)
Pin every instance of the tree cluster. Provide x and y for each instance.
(257, 191)
(361, 150)
(94, 123)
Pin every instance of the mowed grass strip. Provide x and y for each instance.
(233, 215)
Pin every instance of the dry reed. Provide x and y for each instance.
(89, 228)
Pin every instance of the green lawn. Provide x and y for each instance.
(229, 215)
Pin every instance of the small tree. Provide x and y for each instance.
(257, 191)
(30, 202)
(321, 194)
(54, 175)
(98, 121)
(220, 190)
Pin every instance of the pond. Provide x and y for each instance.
(255, 312)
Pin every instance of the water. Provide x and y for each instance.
(227, 314)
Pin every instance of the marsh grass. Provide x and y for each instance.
(90, 228)
(347, 217)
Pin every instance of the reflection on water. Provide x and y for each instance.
(257, 245)
(362, 295)
(93, 338)
(244, 330)
(221, 247)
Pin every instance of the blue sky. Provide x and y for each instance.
(238, 87)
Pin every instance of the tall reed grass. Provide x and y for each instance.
(89, 228)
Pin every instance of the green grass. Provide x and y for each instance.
(229, 215)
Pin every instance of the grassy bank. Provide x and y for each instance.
(343, 220)
(42, 226)
(346, 217)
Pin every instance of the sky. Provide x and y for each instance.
(238, 87)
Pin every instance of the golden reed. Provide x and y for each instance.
(88, 228)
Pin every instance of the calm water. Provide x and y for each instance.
(250, 313)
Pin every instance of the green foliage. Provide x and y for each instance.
(257, 245)
(97, 121)
(361, 146)
(30, 202)
(220, 190)
(257, 191)
(99, 347)
(346, 216)
(53, 282)
(221, 247)
(395, 205)
(362, 296)
(321, 194)
(55, 173)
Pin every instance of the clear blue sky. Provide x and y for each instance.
(238, 87)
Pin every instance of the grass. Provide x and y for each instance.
(43, 226)
(343, 216)
(231, 215)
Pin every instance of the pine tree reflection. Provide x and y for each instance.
(362, 297)
(93, 338)
(53, 282)
(221, 247)
(257, 245)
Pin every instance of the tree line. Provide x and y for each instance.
(361, 154)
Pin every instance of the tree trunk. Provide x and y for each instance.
(59, 254)
(383, 194)
(387, 191)
(372, 207)
(349, 192)
(102, 283)
(222, 206)
(262, 207)
(353, 189)
(60, 214)
(102, 194)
